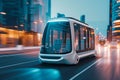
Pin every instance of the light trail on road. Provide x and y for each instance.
(36, 52)
(17, 64)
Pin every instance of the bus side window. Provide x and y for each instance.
(92, 39)
(82, 38)
(77, 37)
(67, 42)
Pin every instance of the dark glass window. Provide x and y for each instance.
(77, 37)
(117, 28)
(56, 38)
(82, 32)
(84, 38)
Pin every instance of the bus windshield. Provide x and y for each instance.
(56, 38)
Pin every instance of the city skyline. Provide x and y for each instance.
(21, 22)
(97, 14)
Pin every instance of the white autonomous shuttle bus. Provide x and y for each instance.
(66, 40)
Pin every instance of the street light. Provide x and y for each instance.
(16, 27)
(21, 25)
(3, 13)
(35, 22)
(40, 21)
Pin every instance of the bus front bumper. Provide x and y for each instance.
(57, 59)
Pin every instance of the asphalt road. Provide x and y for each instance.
(26, 66)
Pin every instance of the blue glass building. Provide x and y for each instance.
(23, 22)
(115, 19)
(109, 28)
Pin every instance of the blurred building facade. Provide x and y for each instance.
(115, 17)
(23, 21)
(109, 28)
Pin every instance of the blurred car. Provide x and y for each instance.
(113, 44)
(102, 42)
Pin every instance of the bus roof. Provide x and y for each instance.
(68, 19)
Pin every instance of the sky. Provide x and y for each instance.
(96, 11)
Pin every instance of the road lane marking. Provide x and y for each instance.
(84, 70)
(8, 55)
(17, 64)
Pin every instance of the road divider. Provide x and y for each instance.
(72, 78)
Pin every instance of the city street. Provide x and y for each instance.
(26, 66)
(34, 32)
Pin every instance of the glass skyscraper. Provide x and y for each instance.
(109, 29)
(115, 19)
(22, 21)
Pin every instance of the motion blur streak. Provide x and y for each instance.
(98, 49)
(118, 61)
(36, 74)
(118, 49)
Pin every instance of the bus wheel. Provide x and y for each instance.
(76, 61)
